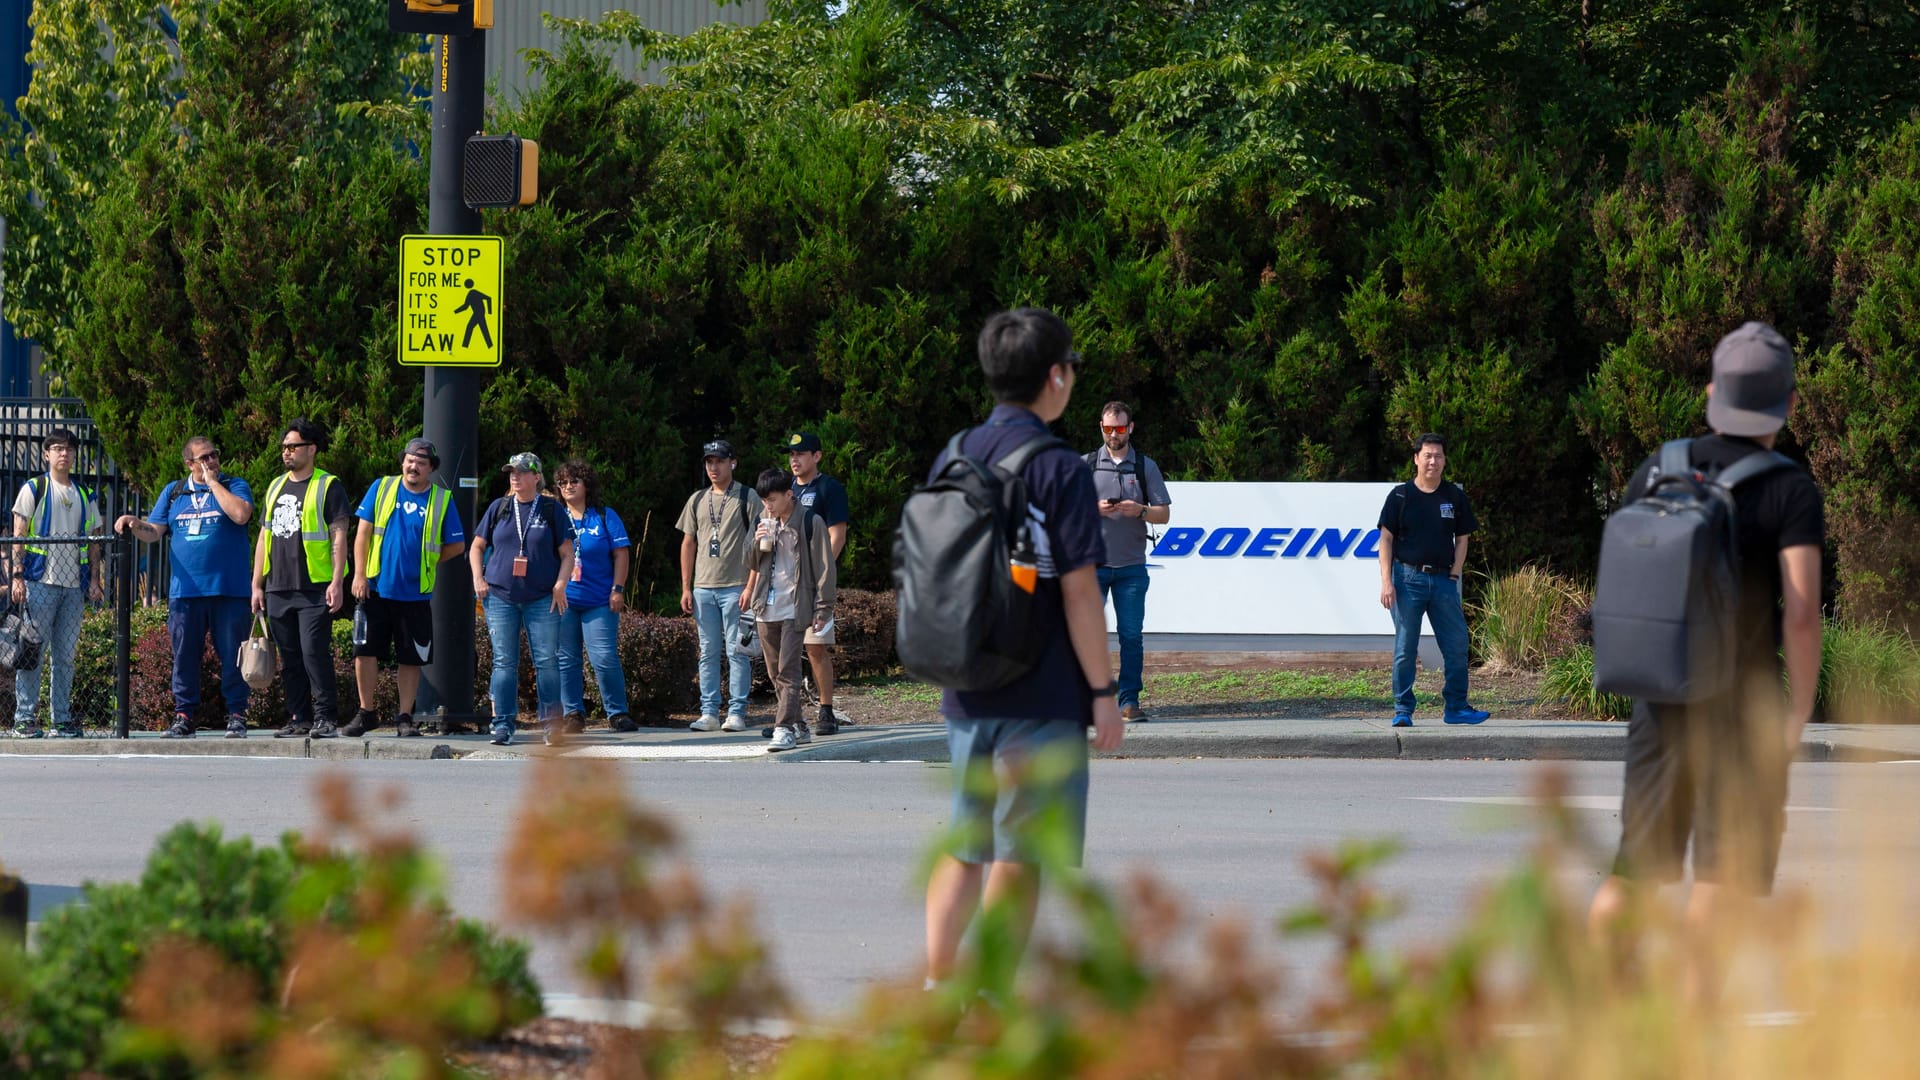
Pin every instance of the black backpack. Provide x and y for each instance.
(965, 623)
(1666, 603)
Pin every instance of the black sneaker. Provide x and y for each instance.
(404, 726)
(182, 727)
(236, 727)
(294, 730)
(622, 722)
(30, 731)
(573, 723)
(363, 721)
(68, 731)
(826, 724)
(323, 729)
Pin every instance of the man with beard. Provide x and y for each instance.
(1132, 495)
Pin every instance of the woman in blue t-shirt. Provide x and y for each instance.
(596, 595)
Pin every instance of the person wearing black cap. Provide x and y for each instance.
(408, 527)
(1718, 769)
(826, 497)
(716, 527)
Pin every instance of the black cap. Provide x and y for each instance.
(803, 442)
(424, 449)
(1752, 382)
(719, 448)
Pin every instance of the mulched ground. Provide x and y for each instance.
(549, 1048)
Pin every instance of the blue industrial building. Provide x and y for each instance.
(17, 357)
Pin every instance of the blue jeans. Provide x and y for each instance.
(1437, 597)
(1129, 586)
(716, 612)
(56, 610)
(599, 629)
(189, 621)
(504, 622)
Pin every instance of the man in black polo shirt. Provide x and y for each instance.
(1718, 769)
(1423, 547)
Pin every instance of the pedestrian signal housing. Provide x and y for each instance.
(500, 171)
(456, 17)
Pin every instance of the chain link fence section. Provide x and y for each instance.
(80, 603)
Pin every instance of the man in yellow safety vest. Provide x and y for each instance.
(300, 578)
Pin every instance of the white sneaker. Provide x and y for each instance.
(707, 722)
(734, 723)
(782, 740)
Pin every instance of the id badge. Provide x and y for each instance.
(576, 569)
(193, 527)
(519, 566)
(713, 545)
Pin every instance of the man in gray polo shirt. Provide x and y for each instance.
(1132, 496)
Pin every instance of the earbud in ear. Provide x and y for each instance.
(1058, 382)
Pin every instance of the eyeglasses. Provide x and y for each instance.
(1115, 429)
(294, 445)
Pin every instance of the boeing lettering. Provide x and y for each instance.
(1238, 541)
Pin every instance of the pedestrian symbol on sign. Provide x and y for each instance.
(479, 303)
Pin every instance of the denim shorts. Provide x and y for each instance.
(1020, 790)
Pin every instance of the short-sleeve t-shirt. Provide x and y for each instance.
(597, 534)
(287, 570)
(826, 497)
(397, 577)
(209, 551)
(64, 513)
(1425, 523)
(731, 517)
(1779, 510)
(546, 526)
(1134, 478)
(1066, 531)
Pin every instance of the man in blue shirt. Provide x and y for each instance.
(826, 497)
(1019, 753)
(207, 516)
(408, 527)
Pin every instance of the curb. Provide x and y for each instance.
(336, 749)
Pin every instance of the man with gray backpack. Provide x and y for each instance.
(995, 568)
(1710, 570)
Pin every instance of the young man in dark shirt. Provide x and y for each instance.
(1019, 753)
(1717, 770)
(1423, 548)
(300, 578)
(826, 497)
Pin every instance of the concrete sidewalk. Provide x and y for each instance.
(1166, 736)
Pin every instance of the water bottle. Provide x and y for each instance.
(1024, 565)
(360, 625)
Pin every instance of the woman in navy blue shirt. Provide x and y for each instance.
(596, 595)
(522, 559)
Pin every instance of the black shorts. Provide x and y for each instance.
(398, 630)
(1715, 772)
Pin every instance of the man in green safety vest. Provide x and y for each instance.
(53, 580)
(300, 578)
(408, 527)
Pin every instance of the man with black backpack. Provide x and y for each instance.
(1012, 626)
(53, 582)
(1132, 495)
(1714, 556)
(716, 527)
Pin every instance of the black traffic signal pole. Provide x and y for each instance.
(452, 406)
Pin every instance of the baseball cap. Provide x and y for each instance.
(719, 448)
(803, 442)
(523, 462)
(1752, 380)
(423, 448)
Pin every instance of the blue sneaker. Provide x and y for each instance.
(502, 734)
(1466, 716)
(1401, 719)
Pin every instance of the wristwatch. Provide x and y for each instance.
(1112, 689)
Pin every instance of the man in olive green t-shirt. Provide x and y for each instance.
(716, 533)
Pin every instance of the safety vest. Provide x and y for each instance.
(314, 538)
(35, 563)
(385, 498)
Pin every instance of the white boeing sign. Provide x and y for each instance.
(1280, 559)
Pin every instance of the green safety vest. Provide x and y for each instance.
(385, 498)
(314, 537)
(36, 568)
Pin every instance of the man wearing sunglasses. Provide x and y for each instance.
(206, 515)
(1132, 496)
(300, 578)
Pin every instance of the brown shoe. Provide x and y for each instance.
(1132, 714)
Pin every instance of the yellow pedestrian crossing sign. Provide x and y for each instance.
(450, 290)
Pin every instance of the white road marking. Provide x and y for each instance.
(1609, 803)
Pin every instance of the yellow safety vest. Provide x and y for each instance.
(36, 568)
(385, 498)
(314, 537)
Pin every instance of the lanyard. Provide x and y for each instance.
(713, 515)
(522, 525)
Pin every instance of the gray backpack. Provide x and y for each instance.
(1666, 603)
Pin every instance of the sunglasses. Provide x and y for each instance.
(1115, 429)
(569, 481)
(211, 455)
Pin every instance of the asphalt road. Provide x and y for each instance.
(828, 852)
